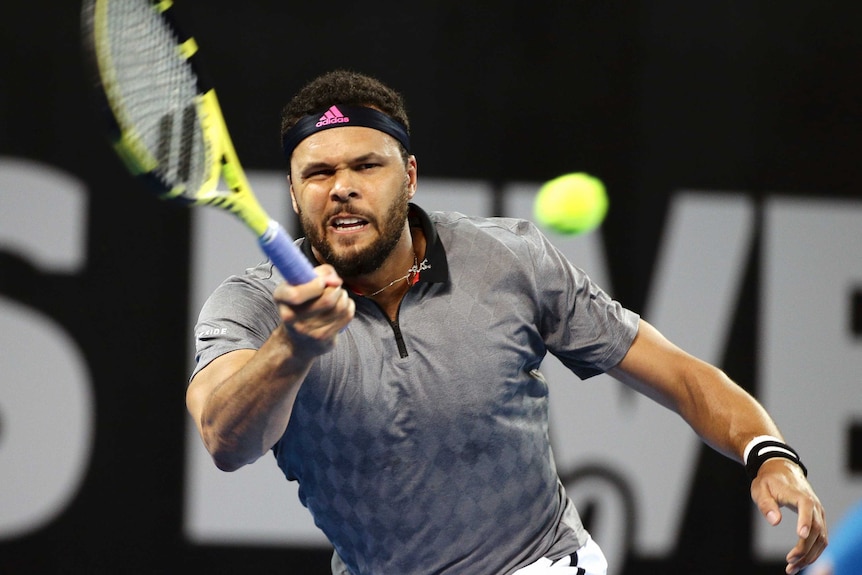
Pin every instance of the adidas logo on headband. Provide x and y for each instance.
(332, 116)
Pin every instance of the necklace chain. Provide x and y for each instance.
(411, 274)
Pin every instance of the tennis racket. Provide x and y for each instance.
(165, 122)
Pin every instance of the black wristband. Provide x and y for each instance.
(769, 449)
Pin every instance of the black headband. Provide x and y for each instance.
(339, 116)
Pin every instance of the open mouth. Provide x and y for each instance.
(348, 224)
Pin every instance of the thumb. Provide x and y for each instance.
(773, 516)
(766, 503)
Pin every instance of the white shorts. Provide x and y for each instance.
(588, 560)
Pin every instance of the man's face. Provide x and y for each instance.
(350, 187)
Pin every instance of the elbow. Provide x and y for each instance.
(225, 463)
(226, 455)
(229, 460)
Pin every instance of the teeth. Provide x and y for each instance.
(347, 222)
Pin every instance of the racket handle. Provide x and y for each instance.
(288, 259)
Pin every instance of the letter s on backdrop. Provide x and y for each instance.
(46, 394)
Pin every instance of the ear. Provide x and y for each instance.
(412, 176)
(292, 195)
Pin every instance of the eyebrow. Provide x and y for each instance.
(314, 166)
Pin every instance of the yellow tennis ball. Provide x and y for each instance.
(571, 204)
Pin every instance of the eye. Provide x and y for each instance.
(318, 174)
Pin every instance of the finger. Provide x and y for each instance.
(299, 305)
(332, 312)
(330, 277)
(295, 295)
(809, 548)
(342, 311)
(766, 503)
(315, 329)
(811, 524)
(299, 293)
(814, 549)
(817, 549)
(804, 543)
(805, 508)
(328, 306)
(333, 301)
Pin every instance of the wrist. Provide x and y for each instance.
(766, 447)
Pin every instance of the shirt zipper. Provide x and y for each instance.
(399, 338)
(396, 328)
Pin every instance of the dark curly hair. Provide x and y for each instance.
(347, 88)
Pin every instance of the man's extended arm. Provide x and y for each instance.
(242, 401)
(727, 418)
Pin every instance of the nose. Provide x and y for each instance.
(343, 185)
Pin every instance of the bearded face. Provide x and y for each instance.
(348, 258)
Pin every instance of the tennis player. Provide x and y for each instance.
(401, 387)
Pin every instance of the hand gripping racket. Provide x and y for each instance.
(165, 122)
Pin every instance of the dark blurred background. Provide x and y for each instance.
(754, 97)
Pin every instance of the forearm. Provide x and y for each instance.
(727, 418)
(247, 411)
(723, 414)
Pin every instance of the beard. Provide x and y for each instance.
(351, 262)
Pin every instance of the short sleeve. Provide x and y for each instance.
(240, 314)
(581, 324)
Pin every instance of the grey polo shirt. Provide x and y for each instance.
(421, 445)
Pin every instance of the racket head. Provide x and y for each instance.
(162, 116)
(164, 119)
